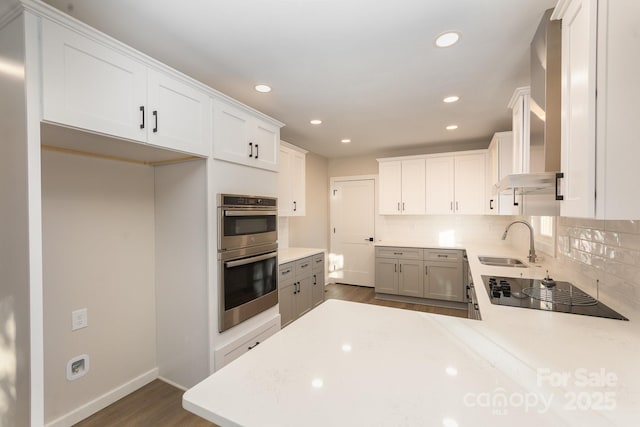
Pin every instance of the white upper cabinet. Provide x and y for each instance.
(91, 86)
(440, 185)
(180, 115)
(291, 181)
(519, 105)
(599, 155)
(402, 186)
(455, 184)
(470, 184)
(499, 165)
(240, 137)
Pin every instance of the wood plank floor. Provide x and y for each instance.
(368, 296)
(159, 404)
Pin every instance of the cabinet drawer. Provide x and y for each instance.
(402, 253)
(303, 267)
(318, 262)
(286, 274)
(443, 255)
(242, 345)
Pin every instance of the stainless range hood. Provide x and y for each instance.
(544, 119)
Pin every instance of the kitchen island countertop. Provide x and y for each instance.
(351, 364)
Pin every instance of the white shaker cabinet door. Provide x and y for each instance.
(179, 115)
(440, 185)
(266, 142)
(390, 176)
(231, 133)
(470, 184)
(91, 86)
(413, 187)
(578, 108)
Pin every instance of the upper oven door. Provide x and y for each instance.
(246, 227)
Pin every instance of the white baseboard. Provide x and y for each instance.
(105, 400)
(176, 385)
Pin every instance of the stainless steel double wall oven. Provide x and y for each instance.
(247, 257)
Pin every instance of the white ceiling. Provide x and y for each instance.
(368, 68)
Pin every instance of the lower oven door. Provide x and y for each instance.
(248, 286)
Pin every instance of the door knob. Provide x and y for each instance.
(368, 239)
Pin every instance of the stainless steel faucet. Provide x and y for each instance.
(532, 250)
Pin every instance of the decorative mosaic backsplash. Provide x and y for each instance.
(605, 250)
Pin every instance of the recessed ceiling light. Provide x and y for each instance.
(345, 141)
(450, 99)
(447, 39)
(452, 127)
(263, 88)
(315, 122)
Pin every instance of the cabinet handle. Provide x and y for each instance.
(559, 175)
(142, 111)
(315, 279)
(155, 115)
(451, 206)
(253, 346)
(304, 265)
(295, 204)
(257, 151)
(457, 207)
(251, 149)
(514, 198)
(443, 256)
(426, 270)
(400, 268)
(402, 206)
(491, 204)
(398, 253)
(398, 206)
(395, 268)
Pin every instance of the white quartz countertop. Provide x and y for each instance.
(351, 364)
(292, 254)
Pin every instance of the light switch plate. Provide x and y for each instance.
(79, 319)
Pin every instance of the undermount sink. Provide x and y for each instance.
(501, 261)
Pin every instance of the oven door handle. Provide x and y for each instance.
(251, 213)
(245, 261)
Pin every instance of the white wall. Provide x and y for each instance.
(15, 350)
(181, 274)
(312, 230)
(98, 253)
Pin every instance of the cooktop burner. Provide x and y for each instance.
(532, 293)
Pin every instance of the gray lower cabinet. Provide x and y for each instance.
(286, 292)
(399, 271)
(317, 293)
(443, 275)
(300, 287)
(422, 273)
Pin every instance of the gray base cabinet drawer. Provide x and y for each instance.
(443, 255)
(394, 252)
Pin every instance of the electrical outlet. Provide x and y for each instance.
(79, 319)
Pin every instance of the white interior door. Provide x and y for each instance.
(352, 257)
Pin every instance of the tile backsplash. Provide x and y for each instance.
(608, 251)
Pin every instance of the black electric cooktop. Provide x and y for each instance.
(532, 293)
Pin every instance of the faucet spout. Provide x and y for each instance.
(532, 251)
